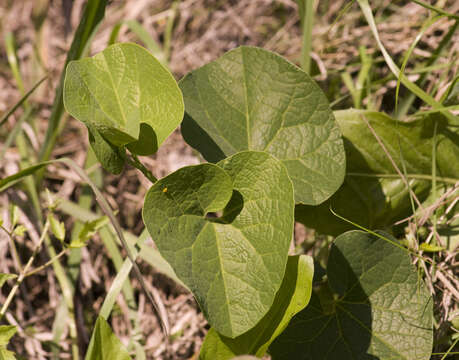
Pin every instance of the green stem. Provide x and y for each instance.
(307, 22)
(135, 162)
(46, 264)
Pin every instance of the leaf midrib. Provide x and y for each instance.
(115, 90)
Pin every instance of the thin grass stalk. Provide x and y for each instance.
(406, 103)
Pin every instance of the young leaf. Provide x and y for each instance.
(126, 95)
(252, 99)
(292, 297)
(57, 227)
(430, 248)
(104, 344)
(380, 308)
(88, 230)
(6, 332)
(19, 230)
(5, 277)
(234, 265)
(14, 214)
(373, 195)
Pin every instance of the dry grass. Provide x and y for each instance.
(204, 30)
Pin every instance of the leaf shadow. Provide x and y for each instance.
(358, 199)
(200, 140)
(147, 142)
(231, 210)
(337, 323)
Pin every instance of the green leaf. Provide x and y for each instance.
(14, 214)
(104, 344)
(6, 332)
(92, 16)
(380, 308)
(234, 265)
(19, 230)
(430, 248)
(111, 157)
(292, 297)
(57, 227)
(6, 354)
(126, 95)
(373, 195)
(5, 277)
(88, 230)
(252, 99)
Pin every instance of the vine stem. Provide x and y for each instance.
(135, 161)
(24, 270)
(46, 264)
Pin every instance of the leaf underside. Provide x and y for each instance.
(252, 99)
(381, 309)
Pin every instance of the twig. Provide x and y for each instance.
(46, 264)
(24, 271)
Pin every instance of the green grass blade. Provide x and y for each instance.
(347, 80)
(120, 280)
(443, 108)
(23, 147)
(410, 50)
(16, 130)
(436, 9)
(92, 16)
(11, 180)
(143, 35)
(408, 101)
(168, 30)
(13, 61)
(20, 102)
(147, 253)
(363, 79)
(394, 68)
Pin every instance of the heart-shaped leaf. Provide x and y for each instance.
(373, 195)
(252, 99)
(292, 297)
(376, 307)
(234, 264)
(125, 95)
